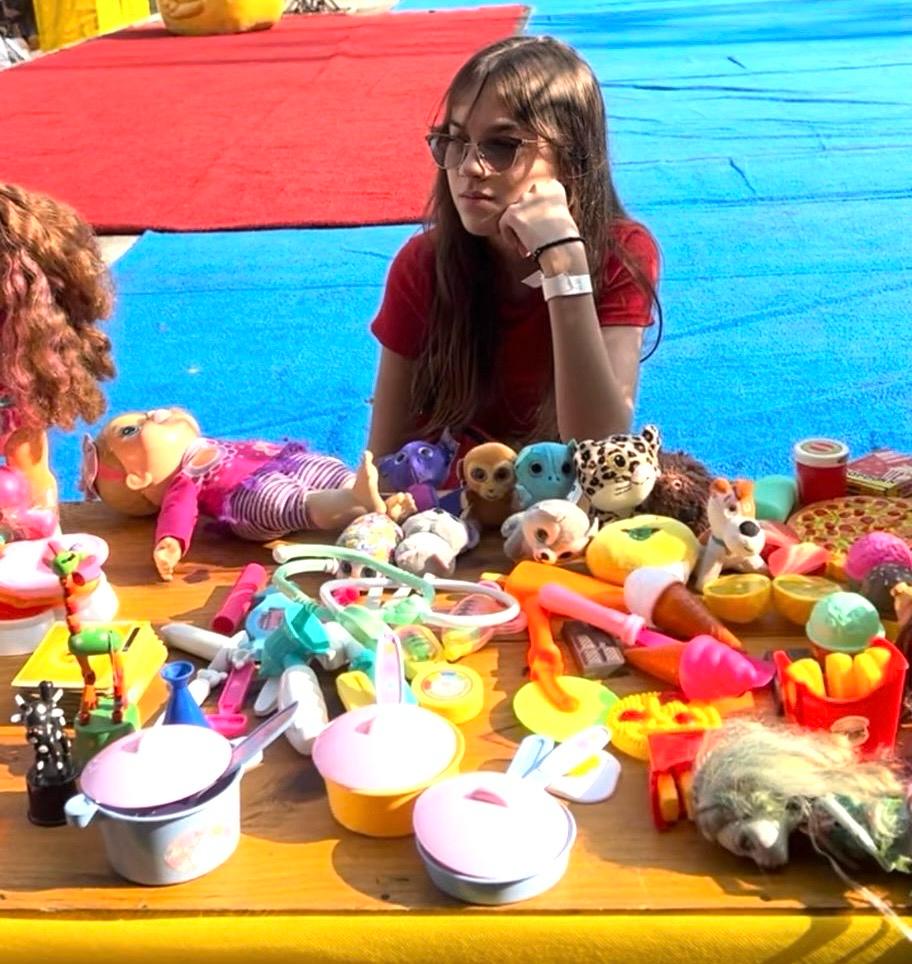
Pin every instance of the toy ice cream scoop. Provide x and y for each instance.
(664, 601)
(843, 622)
(873, 549)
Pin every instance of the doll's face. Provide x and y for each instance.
(150, 445)
(762, 838)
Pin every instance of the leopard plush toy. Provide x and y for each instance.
(616, 474)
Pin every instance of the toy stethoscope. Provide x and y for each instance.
(297, 559)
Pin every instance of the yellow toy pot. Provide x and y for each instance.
(198, 17)
(376, 760)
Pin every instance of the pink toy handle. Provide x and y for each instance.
(231, 613)
(558, 599)
(234, 692)
(649, 637)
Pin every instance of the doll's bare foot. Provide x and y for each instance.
(400, 506)
(366, 488)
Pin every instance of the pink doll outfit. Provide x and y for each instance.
(258, 489)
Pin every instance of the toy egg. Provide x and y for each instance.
(843, 622)
(621, 547)
(874, 549)
(377, 759)
(492, 838)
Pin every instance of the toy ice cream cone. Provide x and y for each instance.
(662, 599)
(662, 662)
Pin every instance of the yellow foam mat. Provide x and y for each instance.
(462, 937)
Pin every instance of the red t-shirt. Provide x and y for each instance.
(524, 364)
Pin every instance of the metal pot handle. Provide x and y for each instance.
(80, 810)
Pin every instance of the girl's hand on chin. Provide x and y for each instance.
(539, 215)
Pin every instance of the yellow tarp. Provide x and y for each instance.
(466, 936)
(62, 22)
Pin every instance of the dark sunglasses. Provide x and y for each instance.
(497, 154)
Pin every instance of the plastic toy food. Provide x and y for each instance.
(874, 549)
(634, 717)
(620, 547)
(843, 622)
(662, 599)
(711, 670)
(794, 596)
(738, 597)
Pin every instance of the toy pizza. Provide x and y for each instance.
(836, 523)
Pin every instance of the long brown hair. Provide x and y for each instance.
(550, 89)
(54, 289)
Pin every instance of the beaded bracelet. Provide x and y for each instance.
(553, 244)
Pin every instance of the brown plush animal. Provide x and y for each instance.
(681, 491)
(488, 480)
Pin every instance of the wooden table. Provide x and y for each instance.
(300, 886)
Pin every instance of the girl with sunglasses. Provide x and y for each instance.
(518, 312)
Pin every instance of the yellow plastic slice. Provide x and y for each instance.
(794, 595)
(738, 597)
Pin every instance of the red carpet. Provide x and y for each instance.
(319, 121)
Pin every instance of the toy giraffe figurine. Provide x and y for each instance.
(100, 719)
(51, 779)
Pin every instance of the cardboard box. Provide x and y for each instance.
(881, 472)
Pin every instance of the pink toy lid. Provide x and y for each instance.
(24, 573)
(155, 766)
(385, 747)
(492, 825)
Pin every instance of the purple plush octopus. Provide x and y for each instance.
(417, 463)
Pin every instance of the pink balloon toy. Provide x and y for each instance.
(710, 670)
(19, 519)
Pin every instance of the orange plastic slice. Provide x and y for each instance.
(794, 595)
(738, 597)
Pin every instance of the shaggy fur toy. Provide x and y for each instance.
(755, 784)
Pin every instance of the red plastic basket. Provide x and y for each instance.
(871, 721)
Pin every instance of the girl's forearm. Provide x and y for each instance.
(593, 399)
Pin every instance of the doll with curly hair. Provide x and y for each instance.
(54, 291)
(755, 784)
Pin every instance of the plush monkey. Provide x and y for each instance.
(488, 478)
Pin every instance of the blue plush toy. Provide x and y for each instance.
(543, 471)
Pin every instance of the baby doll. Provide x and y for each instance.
(54, 290)
(755, 784)
(143, 463)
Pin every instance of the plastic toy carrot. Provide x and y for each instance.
(528, 577)
(546, 663)
(662, 662)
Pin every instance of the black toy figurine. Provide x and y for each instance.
(51, 780)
